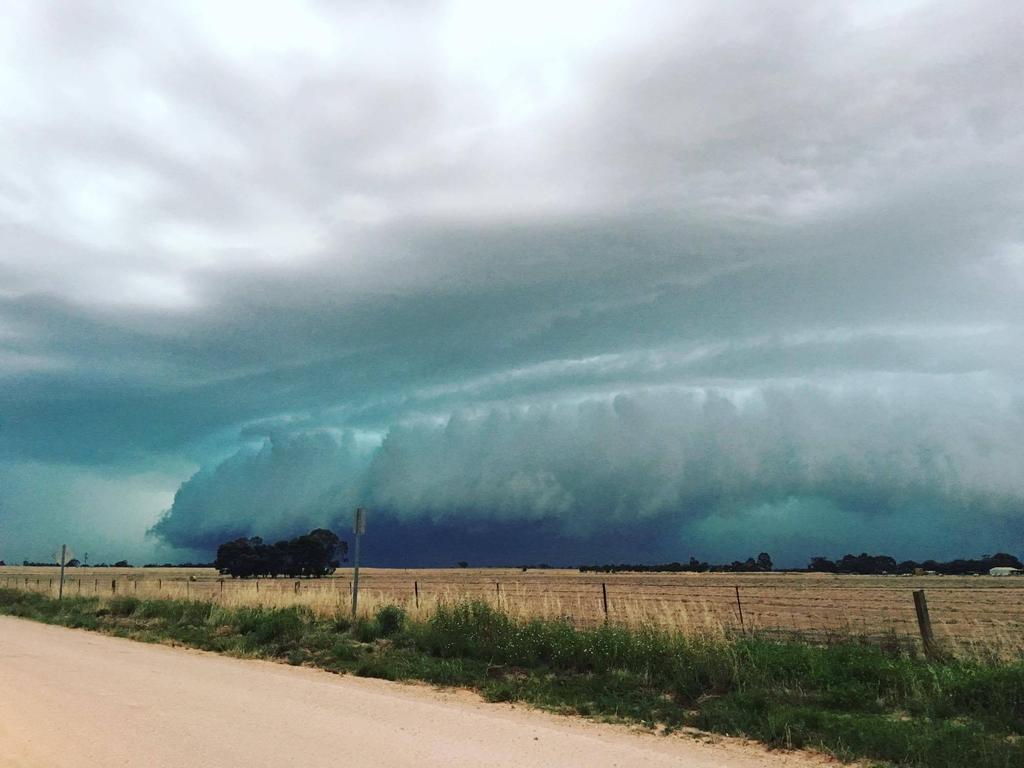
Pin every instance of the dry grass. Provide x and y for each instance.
(971, 615)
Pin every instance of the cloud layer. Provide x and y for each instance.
(682, 463)
(568, 267)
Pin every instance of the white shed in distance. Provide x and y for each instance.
(1004, 571)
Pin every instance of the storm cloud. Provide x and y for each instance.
(666, 466)
(681, 277)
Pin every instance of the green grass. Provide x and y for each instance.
(854, 700)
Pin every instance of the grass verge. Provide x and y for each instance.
(853, 700)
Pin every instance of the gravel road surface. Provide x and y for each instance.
(74, 697)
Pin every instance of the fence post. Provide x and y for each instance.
(113, 586)
(63, 562)
(739, 606)
(604, 599)
(497, 589)
(358, 528)
(297, 583)
(416, 591)
(222, 590)
(924, 624)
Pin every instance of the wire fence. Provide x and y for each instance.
(969, 615)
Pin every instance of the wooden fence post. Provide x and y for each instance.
(416, 591)
(604, 599)
(113, 586)
(924, 624)
(739, 607)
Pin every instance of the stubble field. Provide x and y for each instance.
(971, 615)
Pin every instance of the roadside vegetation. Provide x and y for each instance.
(857, 701)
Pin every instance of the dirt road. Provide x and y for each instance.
(73, 697)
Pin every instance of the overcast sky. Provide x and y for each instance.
(531, 281)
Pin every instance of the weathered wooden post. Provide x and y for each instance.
(416, 592)
(113, 586)
(358, 529)
(739, 607)
(604, 599)
(924, 624)
(63, 561)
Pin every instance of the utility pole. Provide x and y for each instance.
(358, 529)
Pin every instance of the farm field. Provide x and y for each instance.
(971, 615)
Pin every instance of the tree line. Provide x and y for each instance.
(75, 563)
(863, 564)
(315, 554)
(762, 563)
(868, 565)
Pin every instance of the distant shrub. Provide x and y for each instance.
(390, 620)
(274, 626)
(365, 630)
(124, 606)
(344, 650)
